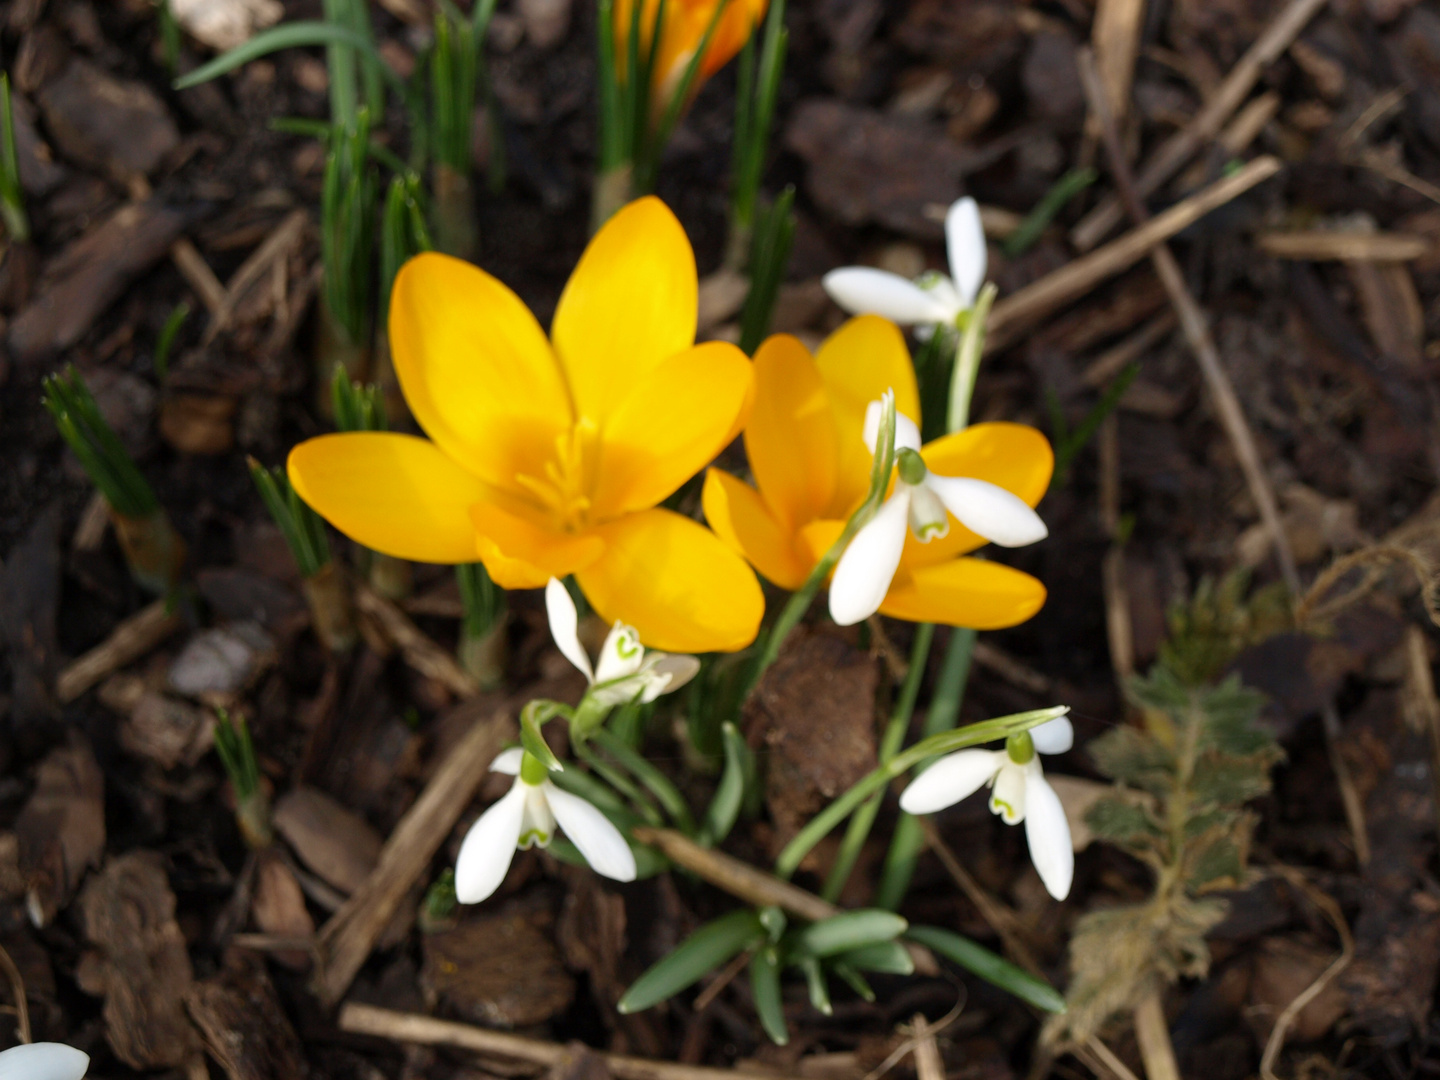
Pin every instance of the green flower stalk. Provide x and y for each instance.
(304, 531)
(347, 223)
(153, 550)
(484, 647)
(12, 198)
(455, 74)
(755, 96)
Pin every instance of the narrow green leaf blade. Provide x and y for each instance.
(714, 944)
(980, 961)
(848, 931)
(765, 989)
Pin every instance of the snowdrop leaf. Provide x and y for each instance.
(848, 931)
(710, 947)
(994, 969)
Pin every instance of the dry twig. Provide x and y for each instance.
(17, 991)
(129, 641)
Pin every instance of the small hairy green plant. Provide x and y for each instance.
(1182, 783)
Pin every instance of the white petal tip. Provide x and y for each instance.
(43, 1061)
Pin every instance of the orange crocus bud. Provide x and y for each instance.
(683, 29)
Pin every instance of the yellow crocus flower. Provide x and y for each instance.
(806, 445)
(684, 26)
(548, 457)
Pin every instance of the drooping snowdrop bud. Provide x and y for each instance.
(527, 815)
(43, 1061)
(934, 298)
(924, 501)
(626, 670)
(1018, 792)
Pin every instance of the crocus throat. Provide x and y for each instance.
(564, 490)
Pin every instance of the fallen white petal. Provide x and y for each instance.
(907, 434)
(865, 570)
(508, 761)
(1048, 834)
(592, 833)
(1054, 736)
(863, 290)
(1009, 796)
(43, 1061)
(621, 655)
(489, 847)
(965, 239)
(565, 626)
(954, 777)
(987, 509)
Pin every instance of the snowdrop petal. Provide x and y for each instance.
(43, 1061)
(565, 626)
(989, 510)
(863, 575)
(591, 831)
(620, 656)
(1048, 834)
(670, 673)
(928, 518)
(953, 778)
(489, 847)
(1009, 795)
(863, 290)
(1054, 736)
(965, 239)
(907, 434)
(508, 761)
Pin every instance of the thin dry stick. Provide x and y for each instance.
(1197, 332)
(1118, 628)
(712, 989)
(996, 914)
(129, 641)
(419, 651)
(197, 273)
(1311, 610)
(1021, 309)
(1152, 1032)
(1423, 707)
(1115, 36)
(346, 940)
(1326, 904)
(17, 991)
(738, 878)
(410, 1027)
(1103, 1060)
(921, 1042)
(1166, 161)
(276, 246)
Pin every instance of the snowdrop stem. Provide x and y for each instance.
(658, 784)
(967, 360)
(532, 717)
(944, 743)
(800, 600)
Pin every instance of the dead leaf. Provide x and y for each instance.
(61, 831)
(223, 24)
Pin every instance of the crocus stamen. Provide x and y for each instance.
(565, 490)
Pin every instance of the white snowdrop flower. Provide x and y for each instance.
(626, 671)
(934, 298)
(527, 815)
(43, 1061)
(924, 501)
(1018, 792)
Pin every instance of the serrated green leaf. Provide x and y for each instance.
(848, 931)
(1230, 713)
(1219, 864)
(1228, 781)
(1197, 825)
(994, 969)
(714, 944)
(1159, 689)
(765, 990)
(1121, 819)
(1133, 757)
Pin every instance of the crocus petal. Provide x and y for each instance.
(964, 592)
(393, 493)
(863, 574)
(1009, 795)
(965, 241)
(1048, 834)
(43, 1061)
(489, 847)
(907, 434)
(630, 305)
(988, 510)
(1054, 736)
(675, 582)
(565, 626)
(508, 761)
(476, 368)
(863, 290)
(591, 831)
(621, 655)
(742, 520)
(859, 362)
(521, 554)
(671, 424)
(954, 777)
(791, 441)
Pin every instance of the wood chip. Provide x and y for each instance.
(129, 641)
(61, 831)
(1318, 245)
